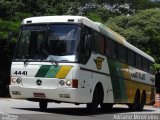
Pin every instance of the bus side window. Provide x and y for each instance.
(121, 53)
(130, 58)
(111, 49)
(99, 43)
(145, 65)
(138, 61)
(87, 41)
(86, 45)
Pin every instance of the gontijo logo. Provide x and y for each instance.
(98, 62)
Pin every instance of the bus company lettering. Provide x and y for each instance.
(138, 75)
(98, 62)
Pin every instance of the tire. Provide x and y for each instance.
(43, 105)
(96, 100)
(135, 106)
(143, 101)
(106, 106)
(152, 97)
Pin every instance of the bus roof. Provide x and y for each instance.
(94, 25)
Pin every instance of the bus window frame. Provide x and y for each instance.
(83, 57)
(97, 51)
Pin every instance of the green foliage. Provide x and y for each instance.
(6, 27)
(156, 66)
(99, 15)
(9, 8)
(141, 30)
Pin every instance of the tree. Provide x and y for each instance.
(9, 8)
(141, 30)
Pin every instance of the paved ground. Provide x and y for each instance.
(11, 109)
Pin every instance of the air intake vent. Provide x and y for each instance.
(29, 21)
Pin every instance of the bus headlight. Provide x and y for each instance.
(68, 83)
(13, 79)
(19, 80)
(16, 80)
(61, 82)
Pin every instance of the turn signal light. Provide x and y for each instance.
(74, 83)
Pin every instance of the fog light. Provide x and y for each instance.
(61, 82)
(68, 83)
(75, 83)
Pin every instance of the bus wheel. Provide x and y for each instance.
(97, 99)
(135, 105)
(106, 106)
(43, 105)
(143, 100)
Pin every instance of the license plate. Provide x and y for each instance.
(40, 95)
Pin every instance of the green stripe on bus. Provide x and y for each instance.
(43, 70)
(115, 82)
(52, 71)
(118, 81)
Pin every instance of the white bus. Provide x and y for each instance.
(75, 60)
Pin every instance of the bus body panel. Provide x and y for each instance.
(88, 76)
(126, 80)
(50, 77)
(95, 71)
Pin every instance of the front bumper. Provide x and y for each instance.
(57, 94)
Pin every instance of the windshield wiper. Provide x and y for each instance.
(51, 59)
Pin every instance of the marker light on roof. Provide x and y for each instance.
(70, 20)
(29, 21)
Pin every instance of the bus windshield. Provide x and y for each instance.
(47, 42)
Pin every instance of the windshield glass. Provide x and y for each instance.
(47, 42)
